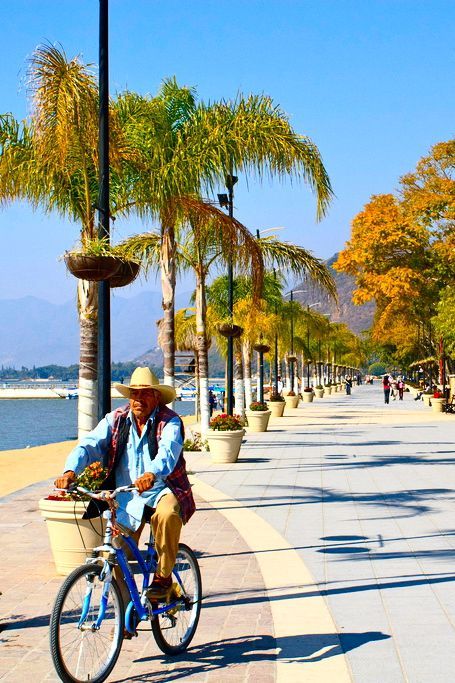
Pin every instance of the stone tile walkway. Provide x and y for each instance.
(235, 637)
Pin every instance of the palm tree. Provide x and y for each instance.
(208, 237)
(51, 161)
(186, 148)
(256, 320)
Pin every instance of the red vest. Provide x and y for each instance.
(177, 481)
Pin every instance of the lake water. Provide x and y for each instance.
(34, 422)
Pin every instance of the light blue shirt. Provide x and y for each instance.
(134, 461)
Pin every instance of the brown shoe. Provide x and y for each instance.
(160, 588)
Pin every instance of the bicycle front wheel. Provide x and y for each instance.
(82, 651)
(174, 630)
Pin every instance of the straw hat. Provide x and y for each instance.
(144, 378)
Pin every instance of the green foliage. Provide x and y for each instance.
(377, 369)
(444, 320)
(92, 477)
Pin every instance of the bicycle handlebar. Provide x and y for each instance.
(104, 495)
(99, 495)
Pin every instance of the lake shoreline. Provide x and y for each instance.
(21, 467)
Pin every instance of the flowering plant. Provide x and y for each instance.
(257, 405)
(226, 423)
(276, 397)
(91, 478)
(308, 389)
(195, 443)
(438, 394)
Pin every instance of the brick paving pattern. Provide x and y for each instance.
(234, 641)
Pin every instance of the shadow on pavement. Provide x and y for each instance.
(221, 654)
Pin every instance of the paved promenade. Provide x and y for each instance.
(326, 552)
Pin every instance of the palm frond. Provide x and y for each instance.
(299, 262)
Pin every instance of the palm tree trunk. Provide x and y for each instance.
(202, 350)
(167, 264)
(238, 380)
(288, 377)
(197, 402)
(87, 411)
(246, 350)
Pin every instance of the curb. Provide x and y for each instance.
(296, 617)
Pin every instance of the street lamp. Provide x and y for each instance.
(291, 357)
(227, 201)
(104, 312)
(318, 303)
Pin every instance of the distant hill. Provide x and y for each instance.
(37, 332)
(357, 318)
(34, 332)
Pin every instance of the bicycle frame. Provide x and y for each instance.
(139, 601)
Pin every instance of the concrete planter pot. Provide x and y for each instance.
(328, 390)
(427, 398)
(72, 538)
(437, 405)
(258, 420)
(276, 408)
(307, 396)
(319, 393)
(291, 401)
(225, 446)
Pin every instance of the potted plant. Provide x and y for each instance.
(195, 443)
(328, 388)
(291, 400)
(72, 538)
(229, 330)
(94, 260)
(307, 395)
(427, 396)
(437, 402)
(276, 405)
(224, 437)
(319, 391)
(126, 273)
(258, 416)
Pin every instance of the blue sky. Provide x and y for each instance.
(370, 81)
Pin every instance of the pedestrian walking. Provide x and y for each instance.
(386, 387)
(348, 384)
(400, 384)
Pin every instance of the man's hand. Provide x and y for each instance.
(65, 480)
(145, 482)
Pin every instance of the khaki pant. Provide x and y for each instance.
(166, 524)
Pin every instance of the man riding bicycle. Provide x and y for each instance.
(141, 444)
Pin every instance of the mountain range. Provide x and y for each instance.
(35, 332)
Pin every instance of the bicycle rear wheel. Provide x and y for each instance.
(174, 630)
(81, 652)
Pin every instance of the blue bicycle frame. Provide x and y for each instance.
(147, 566)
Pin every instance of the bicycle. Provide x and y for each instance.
(88, 621)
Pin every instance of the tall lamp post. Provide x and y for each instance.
(291, 357)
(104, 311)
(228, 200)
(318, 303)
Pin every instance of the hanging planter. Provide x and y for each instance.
(261, 348)
(93, 268)
(227, 330)
(126, 274)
